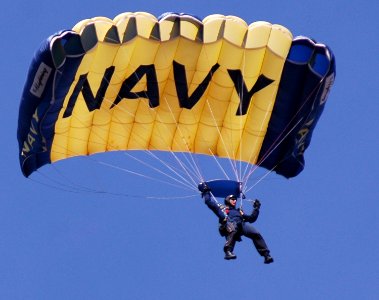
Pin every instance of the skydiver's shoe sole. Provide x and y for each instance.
(268, 260)
(230, 257)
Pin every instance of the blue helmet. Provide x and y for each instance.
(228, 198)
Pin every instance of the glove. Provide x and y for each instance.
(257, 204)
(203, 188)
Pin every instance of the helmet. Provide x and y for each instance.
(228, 198)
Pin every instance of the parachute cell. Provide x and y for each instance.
(218, 87)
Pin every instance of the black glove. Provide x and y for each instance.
(203, 188)
(257, 204)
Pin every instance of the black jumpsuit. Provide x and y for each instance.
(236, 225)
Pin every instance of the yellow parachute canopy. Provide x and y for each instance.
(174, 84)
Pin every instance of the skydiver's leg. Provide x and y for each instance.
(258, 241)
(230, 241)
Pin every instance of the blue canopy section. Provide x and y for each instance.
(51, 74)
(223, 188)
(298, 107)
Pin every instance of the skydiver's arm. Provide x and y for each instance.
(214, 206)
(252, 217)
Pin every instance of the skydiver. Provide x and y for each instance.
(234, 223)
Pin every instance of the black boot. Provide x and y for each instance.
(229, 255)
(268, 259)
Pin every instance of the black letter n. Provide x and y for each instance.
(84, 87)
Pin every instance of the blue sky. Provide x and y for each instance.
(320, 226)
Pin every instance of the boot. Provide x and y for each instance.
(268, 259)
(229, 255)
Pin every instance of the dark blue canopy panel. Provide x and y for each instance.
(223, 187)
(308, 75)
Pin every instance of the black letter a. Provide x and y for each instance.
(152, 92)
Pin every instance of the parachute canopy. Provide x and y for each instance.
(218, 87)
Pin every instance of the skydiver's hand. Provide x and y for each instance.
(257, 204)
(203, 187)
(241, 212)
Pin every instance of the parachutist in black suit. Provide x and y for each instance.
(234, 224)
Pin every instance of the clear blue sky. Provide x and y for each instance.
(321, 226)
